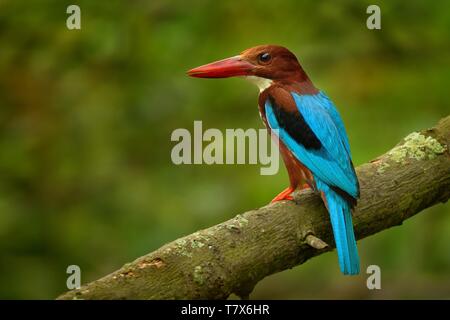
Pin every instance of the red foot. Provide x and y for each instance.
(284, 195)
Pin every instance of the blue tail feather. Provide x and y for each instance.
(344, 237)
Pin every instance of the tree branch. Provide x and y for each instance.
(233, 256)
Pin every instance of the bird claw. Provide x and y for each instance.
(287, 197)
(284, 195)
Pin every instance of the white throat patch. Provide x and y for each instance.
(261, 83)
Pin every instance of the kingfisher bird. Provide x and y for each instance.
(312, 138)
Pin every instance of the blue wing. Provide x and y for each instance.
(332, 162)
(328, 105)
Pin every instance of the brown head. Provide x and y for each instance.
(262, 64)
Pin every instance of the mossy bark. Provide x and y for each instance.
(233, 256)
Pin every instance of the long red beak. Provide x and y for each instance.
(225, 68)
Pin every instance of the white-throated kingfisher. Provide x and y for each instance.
(312, 137)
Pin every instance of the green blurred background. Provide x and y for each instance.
(86, 118)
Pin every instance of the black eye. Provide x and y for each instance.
(264, 57)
